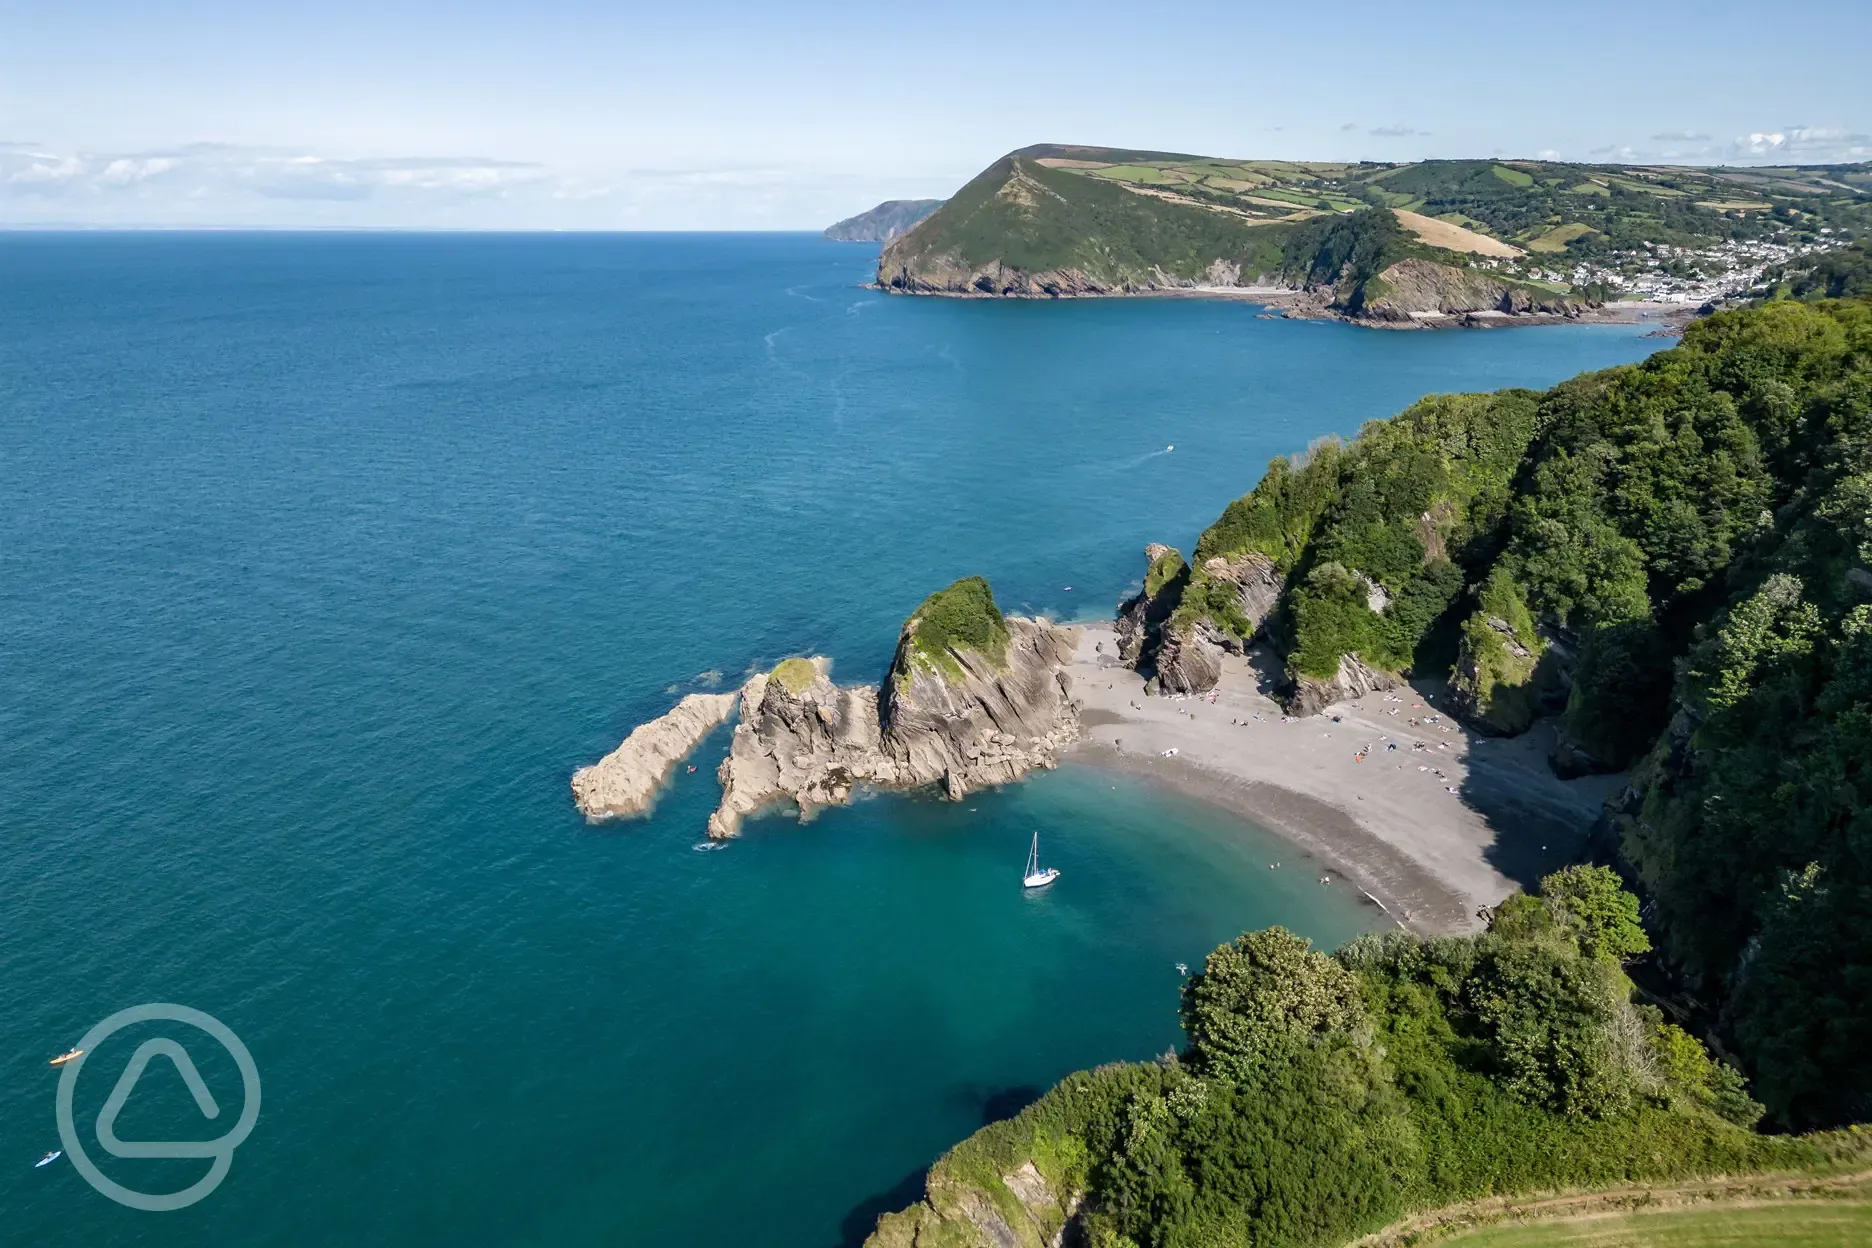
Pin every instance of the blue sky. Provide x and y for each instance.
(697, 114)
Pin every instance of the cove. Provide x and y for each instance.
(324, 560)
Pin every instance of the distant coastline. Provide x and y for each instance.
(1300, 305)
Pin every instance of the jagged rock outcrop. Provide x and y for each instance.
(1189, 657)
(627, 780)
(962, 721)
(984, 721)
(1142, 615)
(813, 745)
(1354, 679)
(1258, 584)
(1502, 681)
(1408, 289)
(974, 698)
(1491, 684)
(958, 1212)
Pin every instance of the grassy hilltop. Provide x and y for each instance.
(1055, 219)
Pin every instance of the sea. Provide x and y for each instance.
(325, 559)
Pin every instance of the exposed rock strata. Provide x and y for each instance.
(959, 718)
(1142, 615)
(1258, 585)
(987, 722)
(626, 781)
(1411, 289)
(956, 1212)
(1189, 657)
(1354, 679)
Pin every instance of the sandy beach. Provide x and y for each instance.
(1431, 820)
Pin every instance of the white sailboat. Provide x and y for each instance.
(1036, 875)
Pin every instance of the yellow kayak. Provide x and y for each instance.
(62, 1058)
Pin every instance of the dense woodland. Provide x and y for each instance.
(1323, 1096)
(1674, 557)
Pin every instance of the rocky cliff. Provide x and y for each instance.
(1354, 679)
(627, 780)
(1413, 289)
(959, 716)
(889, 220)
(1141, 617)
(1023, 1210)
(973, 698)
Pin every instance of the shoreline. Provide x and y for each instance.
(1298, 305)
(1387, 822)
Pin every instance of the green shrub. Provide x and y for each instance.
(962, 617)
(795, 675)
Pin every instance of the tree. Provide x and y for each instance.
(1260, 996)
(1593, 904)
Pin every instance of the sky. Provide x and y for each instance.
(701, 114)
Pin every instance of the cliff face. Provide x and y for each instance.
(1141, 617)
(1354, 679)
(1414, 288)
(973, 698)
(972, 721)
(1257, 583)
(813, 746)
(890, 219)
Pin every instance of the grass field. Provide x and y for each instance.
(1790, 1224)
(1453, 237)
(1557, 238)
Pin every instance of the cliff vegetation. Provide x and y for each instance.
(1321, 1097)
(1673, 557)
(962, 617)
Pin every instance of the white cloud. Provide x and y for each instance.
(1396, 132)
(209, 169)
(1547, 153)
(1680, 136)
(1805, 144)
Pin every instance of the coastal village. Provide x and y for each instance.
(1663, 273)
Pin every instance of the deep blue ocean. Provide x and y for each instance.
(324, 560)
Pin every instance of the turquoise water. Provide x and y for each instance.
(323, 562)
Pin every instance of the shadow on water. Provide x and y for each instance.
(858, 1223)
(986, 1104)
(990, 1104)
(997, 1106)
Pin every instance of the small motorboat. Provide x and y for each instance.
(62, 1058)
(1037, 876)
(49, 1158)
(1170, 448)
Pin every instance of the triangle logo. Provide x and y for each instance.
(126, 1083)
